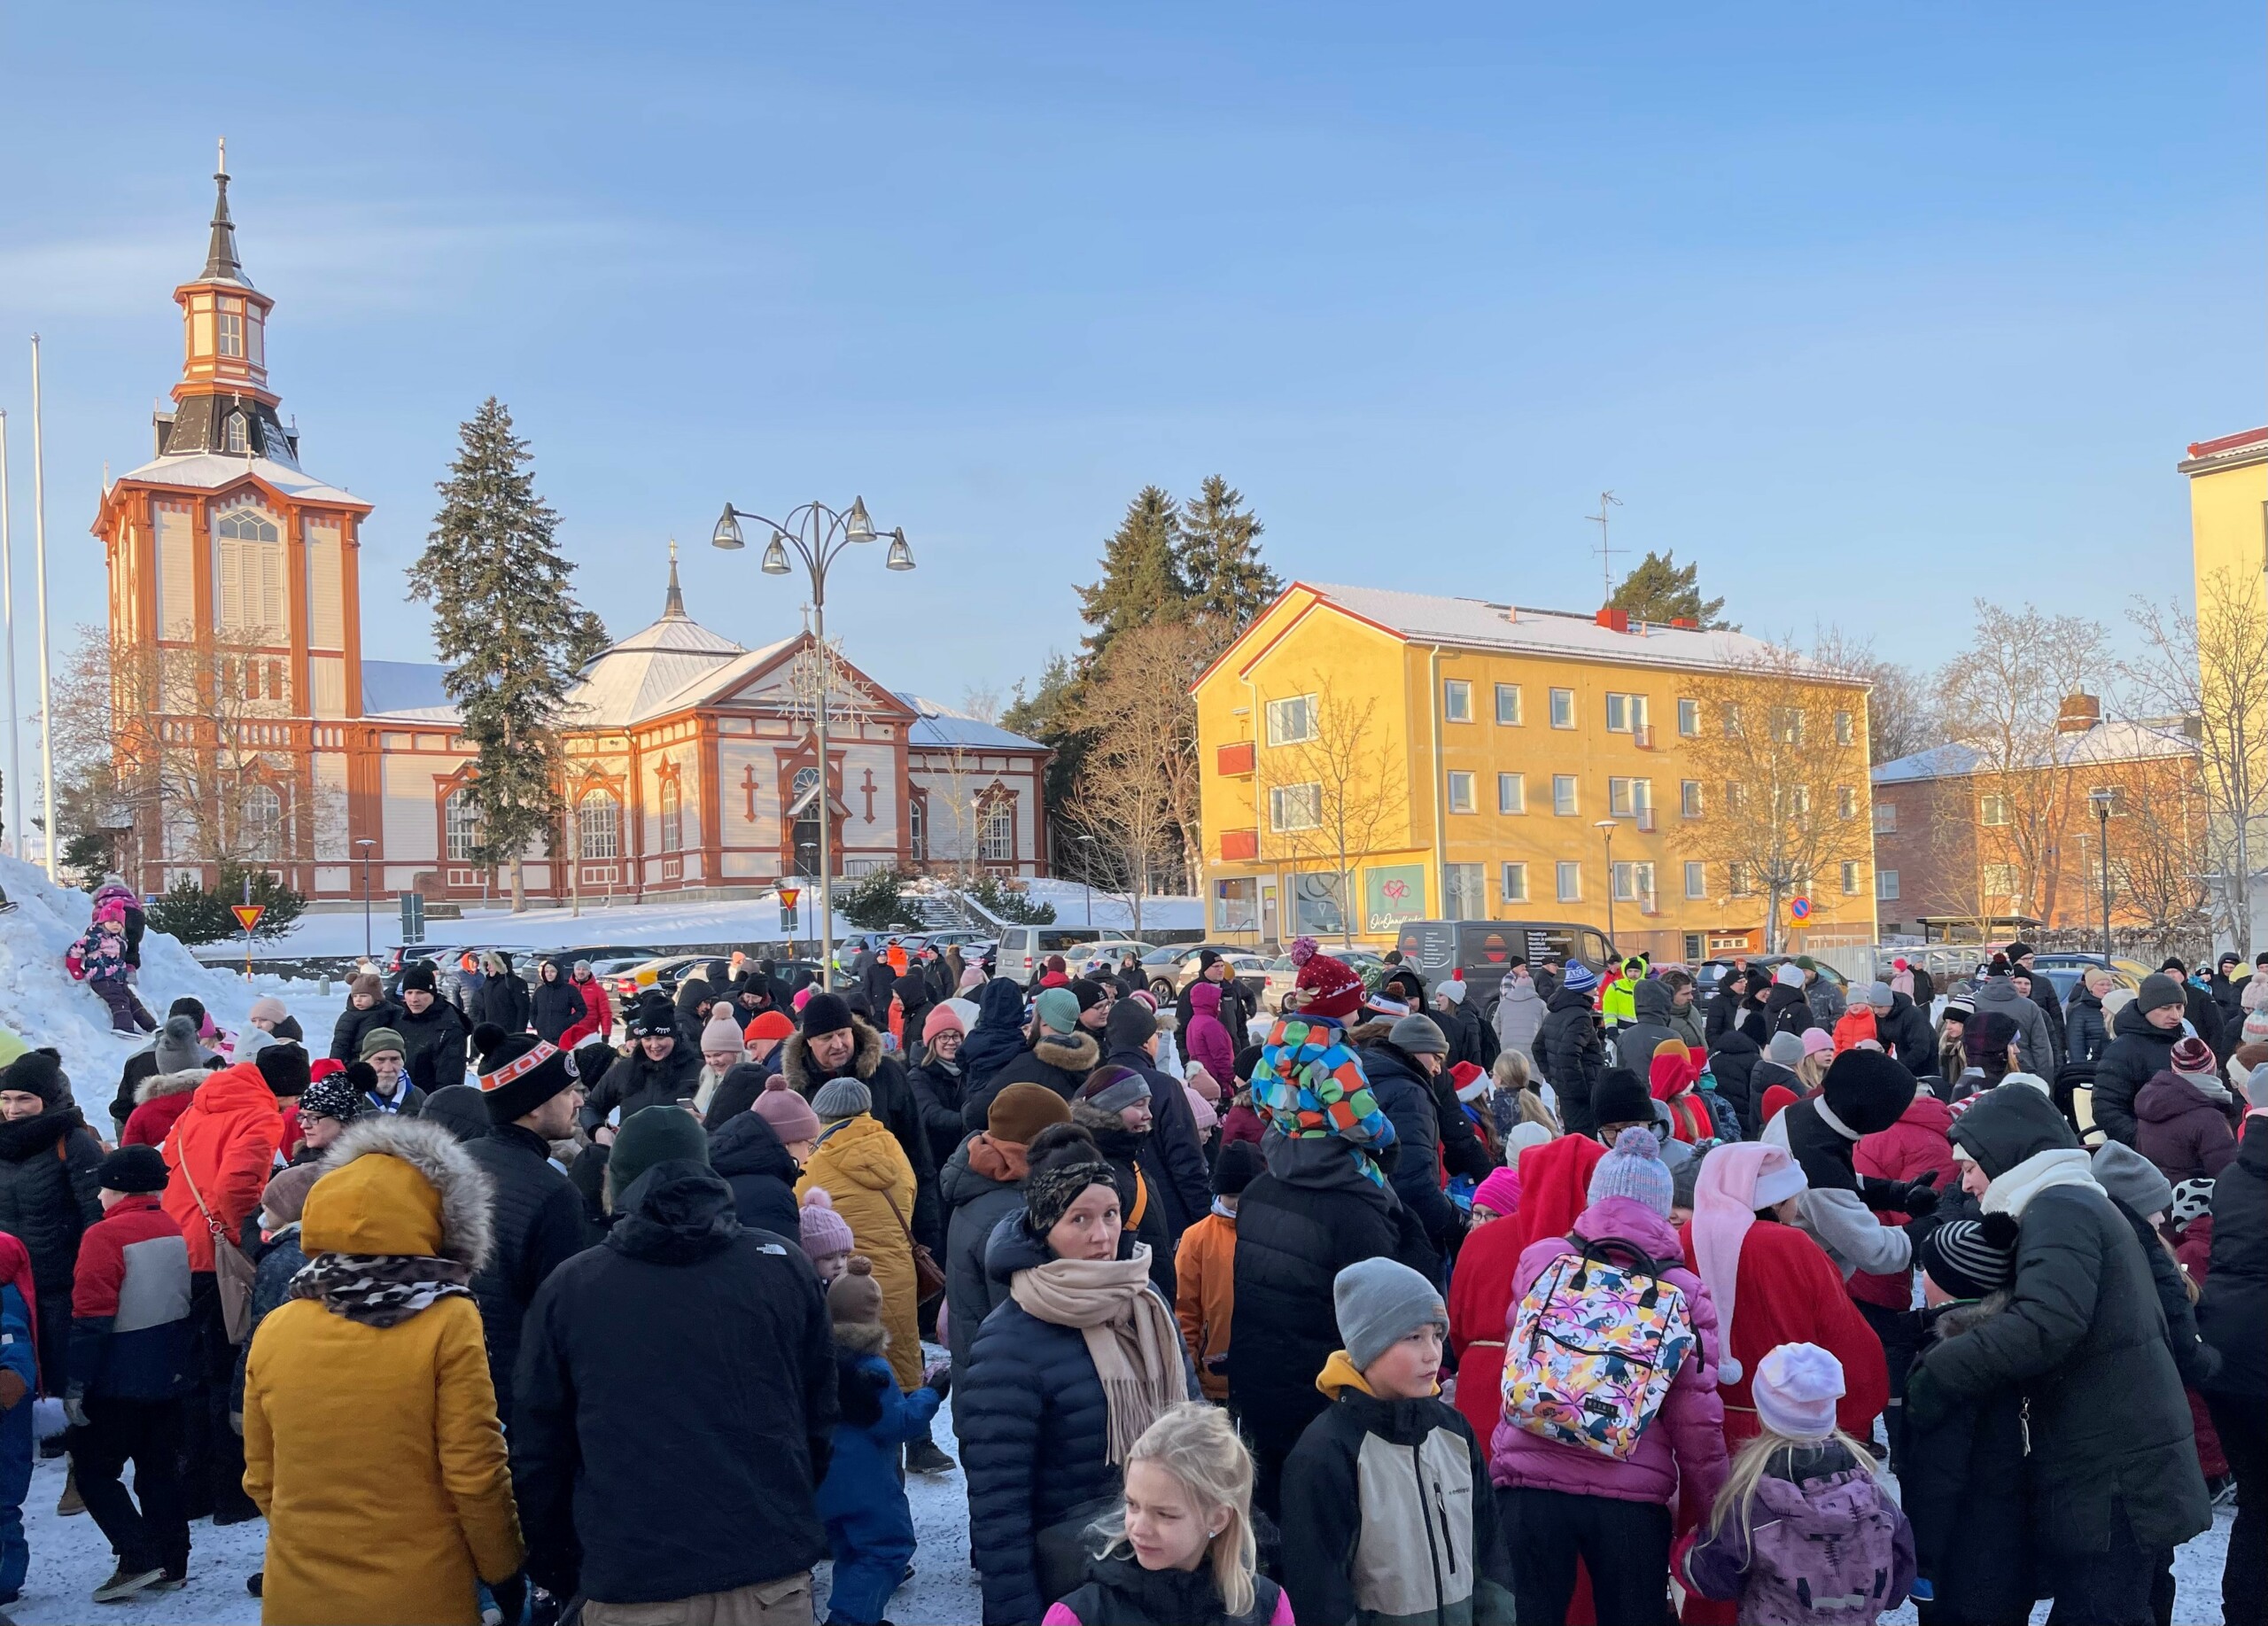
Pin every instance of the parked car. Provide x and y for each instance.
(2065, 969)
(664, 973)
(1023, 947)
(1281, 973)
(1477, 951)
(1107, 956)
(1711, 972)
(443, 957)
(623, 953)
(1180, 967)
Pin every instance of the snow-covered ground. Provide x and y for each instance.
(752, 919)
(70, 1559)
(40, 1005)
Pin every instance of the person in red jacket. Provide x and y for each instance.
(159, 1102)
(598, 1011)
(1675, 1070)
(219, 1158)
(1920, 1143)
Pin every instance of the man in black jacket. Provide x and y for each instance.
(2232, 1317)
(555, 1004)
(1568, 1049)
(433, 1032)
(2142, 1038)
(536, 1218)
(1172, 1162)
(660, 1071)
(1724, 1006)
(1402, 1084)
(1902, 1030)
(2042, 994)
(674, 1400)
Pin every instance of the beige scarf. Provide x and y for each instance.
(1132, 1336)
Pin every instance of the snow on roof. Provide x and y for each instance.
(629, 680)
(711, 680)
(939, 724)
(210, 471)
(2109, 741)
(1479, 623)
(404, 689)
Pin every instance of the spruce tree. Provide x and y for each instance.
(509, 631)
(1219, 556)
(1659, 589)
(1141, 571)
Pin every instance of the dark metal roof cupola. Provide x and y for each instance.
(673, 603)
(220, 262)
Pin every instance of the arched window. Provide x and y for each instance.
(600, 817)
(917, 829)
(239, 437)
(805, 804)
(996, 834)
(673, 817)
(248, 556)
(461, 822)
(263, 822)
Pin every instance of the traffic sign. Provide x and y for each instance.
(788, 896)
(248, 913)
(1800, 908)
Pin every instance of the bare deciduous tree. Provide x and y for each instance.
(1782, 757)
(1902, 715)
(1136, 707)
(1337, 796)
(2208, 666)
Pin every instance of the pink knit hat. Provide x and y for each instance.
(1499, 1193)
(790, 1115)
(824, 1231)
(941, 1018)
(1818, 1041)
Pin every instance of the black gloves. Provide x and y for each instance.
(1916, 1198)
(1920, 1196)
(941, 1379)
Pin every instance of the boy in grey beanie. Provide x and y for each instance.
(1381, 1302)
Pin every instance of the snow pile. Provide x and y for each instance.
(339, 932)
(41, 1005)
(1112, 910)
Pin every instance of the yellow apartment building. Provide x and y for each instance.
(2228, 505)
(1370, 757)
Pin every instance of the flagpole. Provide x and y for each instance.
(12, 808)
(46, 692)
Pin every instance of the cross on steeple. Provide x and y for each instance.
(220, 262)
(674, 604)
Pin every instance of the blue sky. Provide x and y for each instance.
(1866, 309)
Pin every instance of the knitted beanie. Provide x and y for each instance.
(653, 1135)
(1131, 1024)
(1328, 987)
(1020, 1111)
(2157, 991)
(826, 1012)
(377, 1041)
(1786, 1049)
(2132, 1179)
(1114, 1089)
(2192, 1198)
(286, 1194)
(790, 1115)
(1868, 1091)
(768, 1024)
(721, 1032)
(268, 1007)
(941, 1019)
(1418, 1035)
(519, 1073)
(1619, 1098)
(2255, 1026)
(1238, 1165)
(331, 1097)
(855, 1298)
(2193, 1055)
(824, 1231)
(1634, 1168)
(1058, 1010)
(1970, 1258)
(284, 1068)
(1064, 1162)
(1578, 977)
(1789, 975)
(1499, 1193)
(1379, 1301)
(175, 1047)
(842, 1097)
(133, 1169)
(1796, 1388)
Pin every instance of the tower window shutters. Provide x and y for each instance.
(248, 554)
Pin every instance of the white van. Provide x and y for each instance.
(1022, 948)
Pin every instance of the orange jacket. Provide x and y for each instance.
(1852, 1026)
(227, 1138)
(1205, 1297)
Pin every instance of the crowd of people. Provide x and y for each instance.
(1590, 1296)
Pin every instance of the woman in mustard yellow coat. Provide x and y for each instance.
(863, 1170)
(370, 1435)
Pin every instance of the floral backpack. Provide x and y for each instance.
(1593, 1347)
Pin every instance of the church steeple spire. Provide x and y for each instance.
(220, 262)
(674, 604)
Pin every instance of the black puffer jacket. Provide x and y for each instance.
(433, 1045)
(754, 1163)
(1732, 1063)
(1034, 1430)
(673, 1403)
(635, 1081)
(1967, 1488)
(2232, 1316)
(2084, 1027)
(1786, 1010)
(975, 1203)
(537, 1223)
(49, 1176)
(1314, 1213)
(2199, 1363)
(2085, 1338)
(2137, 1053)
(914, 998)
(1406, 1096)
(504, 1000)
(555, 1004)
(998, 1037)
(1906, 1034)
(346, 1032)
(1060, 1060)
(939, 1092)
(1571, 1057)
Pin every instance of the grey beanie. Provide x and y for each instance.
(1419, 1036)
(2132, 1179)
(842, 1097)
(176, 1048)
(1635, 1168)
(1381, 1302)
(1786, 1048)
(1879, 993)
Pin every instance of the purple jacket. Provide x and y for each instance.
(2182, 1129)
(1688, 1435)
(1207, 1040)
(1829, 1545)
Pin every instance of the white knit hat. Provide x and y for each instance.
(1796, 1388)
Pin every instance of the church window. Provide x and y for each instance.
(997, 835)
(263, 822)
(248, 554)
(917, 829)
(232, 328)
(673, 817)
(600, 817)
(238, 438)
(461, 822)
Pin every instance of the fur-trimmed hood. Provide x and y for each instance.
(1074, 1053)
(861, 1337)
(169, 1084)
(1956, 1318)
(804, 1078)
(377, 1209)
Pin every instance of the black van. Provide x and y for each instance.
(1477, 951)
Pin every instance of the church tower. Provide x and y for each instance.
(233, 573)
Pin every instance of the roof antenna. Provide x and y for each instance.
(1605, 553)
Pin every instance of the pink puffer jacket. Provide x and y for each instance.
(1687, 1437)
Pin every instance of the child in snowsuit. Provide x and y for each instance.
(98, 960)
(1390, 1474)
(1802, 1531)
(1204, 1271)
(869, 1524)
(1967, 1488)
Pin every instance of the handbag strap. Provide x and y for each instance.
(211, 1224)
(902, 1225)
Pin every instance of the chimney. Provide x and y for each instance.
(1614, 620)
(1685, 621)
(2079, 713)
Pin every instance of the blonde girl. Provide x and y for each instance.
(1516, 1088)
(1180, 1551)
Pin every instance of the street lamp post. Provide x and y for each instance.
(2102, 800)
(1605, 827)
(817, 535)
(1087, 873)
(366, 844)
